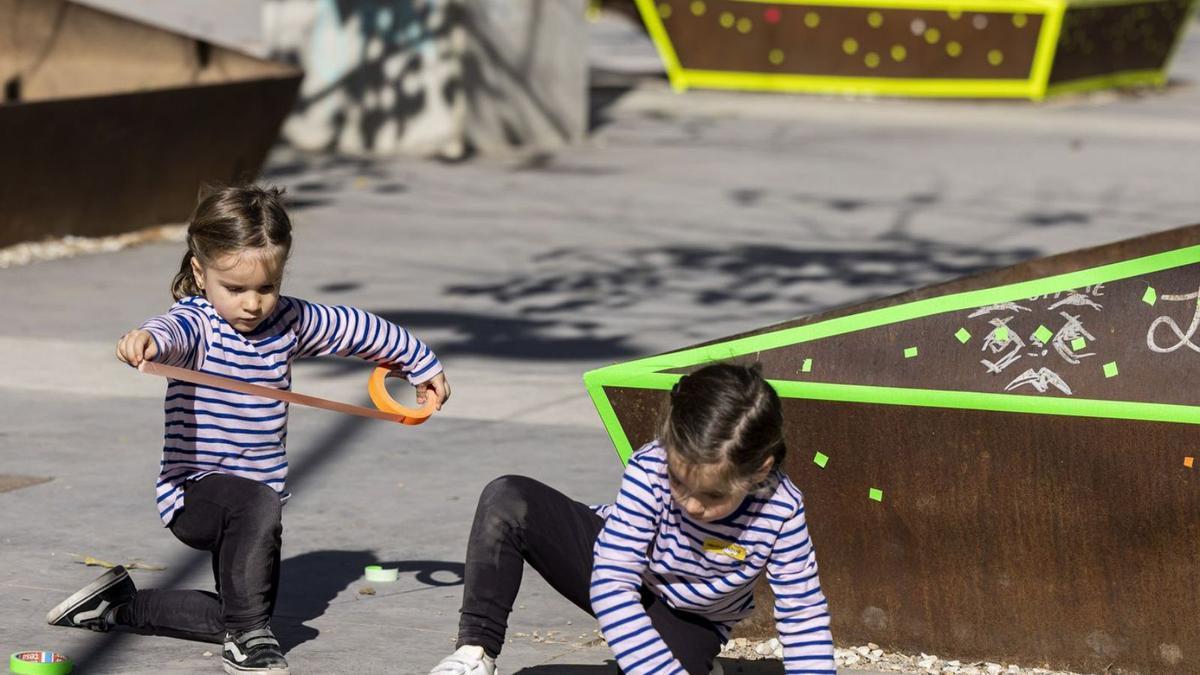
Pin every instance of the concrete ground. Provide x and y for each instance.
(684, 218)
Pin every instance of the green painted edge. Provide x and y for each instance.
(662, 43)
(1047, 48)
(1130, 78)
(643, 373)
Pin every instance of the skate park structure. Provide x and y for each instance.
(944, 48)
(1007, 458)
(111, 125)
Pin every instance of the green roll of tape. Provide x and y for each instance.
(39, 663)
(379, 574)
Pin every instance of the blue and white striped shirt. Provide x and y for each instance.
(215, 431)
(707, 568)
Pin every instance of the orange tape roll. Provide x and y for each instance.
(384, 401)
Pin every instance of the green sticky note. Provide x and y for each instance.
(807, 367)
(910, 352)
(821, 459)
(1043, 334)
(1150, 296)
(877, 494)
(962, 335)
(1110, 369)
(1002, 334)
(1078, 344)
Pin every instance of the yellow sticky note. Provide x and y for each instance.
(1187, 461)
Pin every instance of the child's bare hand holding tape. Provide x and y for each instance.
(136, 346)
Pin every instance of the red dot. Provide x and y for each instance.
(772, 14)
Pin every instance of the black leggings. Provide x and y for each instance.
(520, 520)
(238, 520)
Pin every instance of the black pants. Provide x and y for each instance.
(520, 520)
(238, 521)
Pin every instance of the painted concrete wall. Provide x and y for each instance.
(433, 77)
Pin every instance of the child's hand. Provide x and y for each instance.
(137, 346)
(438, 388)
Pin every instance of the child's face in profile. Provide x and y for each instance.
(702, 491)
(243, 286)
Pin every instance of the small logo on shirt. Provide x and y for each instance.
(725, 548)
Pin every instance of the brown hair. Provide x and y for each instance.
(228, 219)
(725, 414)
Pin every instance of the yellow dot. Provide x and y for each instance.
(727, 20)
(871, 59)
(744, 25)
(664, 10)
(699, 8)
(1019, 20)
(933, 35)
(776, 56)
(954, 14)
(875, 19)
(953, 48)
(812, 19)
(850, 46)
(899, 53)
(995, 57)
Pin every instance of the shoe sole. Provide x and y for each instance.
(235, 670)
(106, 581)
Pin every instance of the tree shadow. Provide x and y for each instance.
(310, 582)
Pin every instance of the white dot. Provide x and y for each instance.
(980, 21)
(918, 26)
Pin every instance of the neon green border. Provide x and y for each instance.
(1036, 87)
(825, 84)
(1014, 6)
(1132, 78)
(646, 373)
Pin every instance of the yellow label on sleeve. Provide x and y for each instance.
(725, 548)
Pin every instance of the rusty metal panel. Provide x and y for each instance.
(109, 125)
(1037, 506)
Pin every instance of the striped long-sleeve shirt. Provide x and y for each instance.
(215, 431)
(707, 568)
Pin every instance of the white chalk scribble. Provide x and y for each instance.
(1002, 307)
(1042, 380)
(1077, 300)
(1185, 339)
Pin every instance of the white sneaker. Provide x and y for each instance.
(468, 660)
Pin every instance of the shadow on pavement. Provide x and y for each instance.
(311, 581)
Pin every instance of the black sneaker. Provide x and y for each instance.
(94, 605)
(255, 651)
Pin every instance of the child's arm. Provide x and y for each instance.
(801, 611)
(620, 559)
(349, 331)
(173, 338)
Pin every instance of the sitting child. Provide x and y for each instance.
(670, 567)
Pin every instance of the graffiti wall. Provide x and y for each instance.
(433, 77)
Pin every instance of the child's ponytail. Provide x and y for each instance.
(184, 283)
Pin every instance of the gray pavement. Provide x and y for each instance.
(684, 218)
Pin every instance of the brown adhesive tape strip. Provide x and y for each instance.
(388, 410)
